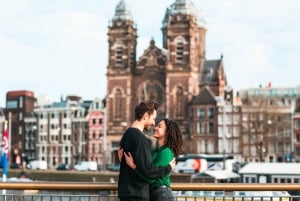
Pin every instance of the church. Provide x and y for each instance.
(178, 76)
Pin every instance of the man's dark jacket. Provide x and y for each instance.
(130, 185)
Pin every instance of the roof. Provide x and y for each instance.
(210, 71)
(206, 96)
(271, 168)
(222, 174)
(152, 56)
(184, 7)
(122, 11)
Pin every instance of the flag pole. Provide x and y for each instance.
(4, 155)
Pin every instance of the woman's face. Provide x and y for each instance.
(160, 130)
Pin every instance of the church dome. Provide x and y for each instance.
(122, 11)
(185, 7)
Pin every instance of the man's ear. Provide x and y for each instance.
(146, 116)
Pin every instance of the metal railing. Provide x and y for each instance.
(82, 191)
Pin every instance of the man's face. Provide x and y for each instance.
(150, 120)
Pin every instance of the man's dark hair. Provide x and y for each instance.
(145, 107)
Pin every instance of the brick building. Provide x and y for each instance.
(174, 75)
(18, 105)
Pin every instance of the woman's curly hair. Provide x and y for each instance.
(173, 137)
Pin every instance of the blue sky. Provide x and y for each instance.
(59, 47)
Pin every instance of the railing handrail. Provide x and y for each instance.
(81, 186)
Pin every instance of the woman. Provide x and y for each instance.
(169, 145)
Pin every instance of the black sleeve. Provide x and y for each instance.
(143, 161)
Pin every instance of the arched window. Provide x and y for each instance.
(179, 43)
(119, 55)
(179, 102)
(132, 56)
(117, 106)
(179, 51)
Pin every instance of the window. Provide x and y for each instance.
(201, 128)
(179, 51)
(54, 115)
(118, 104)
(205, 146)
(11, 104)
(100, 133)
(132, 57)
(211, 113)
(20, 116)
(201, 113)
(115, 145)
(211, 127)
(100, 148)
(21, 102)
(298, 137)
(179, 102)
(93, 148)
(119, 55)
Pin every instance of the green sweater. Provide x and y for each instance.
(161, 156)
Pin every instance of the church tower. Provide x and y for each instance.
(122, 40)
(174, 75)
(184, 38)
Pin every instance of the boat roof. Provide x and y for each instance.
(271, 168)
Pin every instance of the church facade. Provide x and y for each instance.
(176, 75)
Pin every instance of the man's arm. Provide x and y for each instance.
(165, 158)
(144, 164)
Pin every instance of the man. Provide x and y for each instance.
(132, 187)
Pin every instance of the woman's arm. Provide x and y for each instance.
(131, 164)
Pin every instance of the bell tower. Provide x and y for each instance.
(122, 41)
(184, 37)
